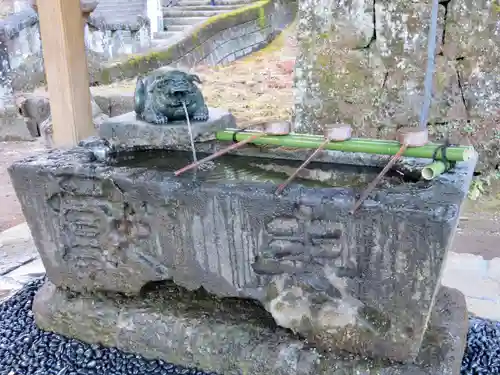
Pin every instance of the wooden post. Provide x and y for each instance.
(62, 33)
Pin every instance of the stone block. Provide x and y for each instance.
(13, 127)
(115, 102)
(401, 101)
(364, 283)
(234, 337)
(374, 80)
(337, 85)
(472, 29)
(350, 54)
(403, 32)
(332, 62)
(480, 83)
(126, 131)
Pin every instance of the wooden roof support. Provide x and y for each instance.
(62, 33)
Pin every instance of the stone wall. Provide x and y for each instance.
(21, 62)
(21, 59)
(220, 40)
(364, 63)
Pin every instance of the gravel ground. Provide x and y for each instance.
(482, 356)
(26, 350)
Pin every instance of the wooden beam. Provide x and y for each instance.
(62, 33)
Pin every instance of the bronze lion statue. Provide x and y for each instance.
(159, 97)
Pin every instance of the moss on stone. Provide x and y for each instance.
(105, 77)
(237, 12)
(276, 45)
(495, 7)
(262, 18)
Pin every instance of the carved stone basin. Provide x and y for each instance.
(365, 283)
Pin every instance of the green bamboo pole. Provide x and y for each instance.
(370, 146)
(434, 169)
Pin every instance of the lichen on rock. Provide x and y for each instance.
(374, 80)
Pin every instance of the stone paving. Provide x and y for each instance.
(476, 277)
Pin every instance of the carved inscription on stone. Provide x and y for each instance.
(99, 232)
(310, 277)
(108, 228)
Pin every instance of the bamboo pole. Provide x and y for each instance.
(434, 169)
(370, 146)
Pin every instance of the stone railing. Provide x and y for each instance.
(220, 40)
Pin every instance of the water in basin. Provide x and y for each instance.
(235, 168)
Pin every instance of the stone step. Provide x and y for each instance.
(167, 34)
(175, 12)
(167, 21)
(175, 27)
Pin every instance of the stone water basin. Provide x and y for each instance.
(365, 283)
(236, 169)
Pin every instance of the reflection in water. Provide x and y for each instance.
(242, 168)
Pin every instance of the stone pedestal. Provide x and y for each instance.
(234, 337)
(126, 131)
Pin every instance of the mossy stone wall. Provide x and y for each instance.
(363, 63)
(219, 40)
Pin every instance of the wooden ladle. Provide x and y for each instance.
(407, 137)
(273, 128)
(332, 133)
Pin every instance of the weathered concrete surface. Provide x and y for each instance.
(364, 62)
(126, 131)
(234, 336)
(16, 248)
(364, 283)
(478, 279)
(16, 279)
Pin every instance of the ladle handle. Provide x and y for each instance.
(218, 153)
(283, 185)
(377, 179)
